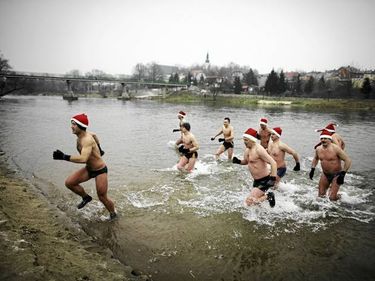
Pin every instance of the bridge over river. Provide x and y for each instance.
(125, 83)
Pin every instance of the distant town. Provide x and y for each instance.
(344, 82)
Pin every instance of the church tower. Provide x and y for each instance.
(207, 62)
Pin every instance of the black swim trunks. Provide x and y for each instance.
(330, 177)
(262, 183)
(228, 144)
(191, 154)
(94, 174)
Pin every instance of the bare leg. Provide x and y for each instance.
(256, 196)
(323, 186)
(230, 153)
(219, 152)
(101, 189)
(74, 180)
(191, 164)
(182, 163)
(333, 196)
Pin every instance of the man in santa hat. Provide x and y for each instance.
(257, 158)
(89, 154)
(264, 133)
(336, 138)
(330, 156)
(277, 150)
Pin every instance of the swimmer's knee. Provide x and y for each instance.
(69, 184)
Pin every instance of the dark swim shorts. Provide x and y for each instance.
(191, 154)
(330, 177)
(94, 174)
(228, 145)
(262, 183)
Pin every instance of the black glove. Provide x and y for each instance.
(297, 167)
(340, 178)
(221, 139)
(311, 174)
(212, 139)
(101, 151)
(258, 136)
(271, 181)
(235, 160)
(176, 130)
(59, 155)
(183, 150)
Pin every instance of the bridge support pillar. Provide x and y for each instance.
(124, 92)
(69, 94)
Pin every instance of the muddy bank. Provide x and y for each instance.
(38, 242)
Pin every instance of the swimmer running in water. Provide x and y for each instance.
(257, 159)
(277, 150)
(330, 156)
(188, 149)
(228, 132)
(90, 154)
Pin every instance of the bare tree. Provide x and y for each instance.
(140, 71)
(4, 64)
(154, 72)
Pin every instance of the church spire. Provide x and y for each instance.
(207, 59)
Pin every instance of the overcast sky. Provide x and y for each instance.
(57, 36)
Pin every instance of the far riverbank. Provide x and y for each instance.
(259, 100)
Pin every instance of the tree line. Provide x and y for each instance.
(232, 78)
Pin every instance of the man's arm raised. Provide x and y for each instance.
(85, 152)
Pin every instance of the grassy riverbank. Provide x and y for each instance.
(40, 243)
(251, 100)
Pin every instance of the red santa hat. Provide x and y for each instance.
(251, 134)
(81, 119)
(182, 114)
(263, 121)
(326, 134)
(277, 131)
(330, 128)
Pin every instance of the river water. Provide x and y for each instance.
(175, 226)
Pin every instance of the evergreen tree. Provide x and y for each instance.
(366, 87)
(272, 83)
(250, 78)
(298, 84)
(237, 85)
(189, 78)
(282, 82)
(176, 78)
(309, 86)
(322, 84)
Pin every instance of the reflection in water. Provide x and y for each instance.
(194, 226)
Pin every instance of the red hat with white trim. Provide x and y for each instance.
(251, 134)
(263, 121)
(181, 114)
(81, 119)
(326, 135)
(277, 131)
(330, 128)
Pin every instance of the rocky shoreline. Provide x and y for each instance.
(38, 242)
